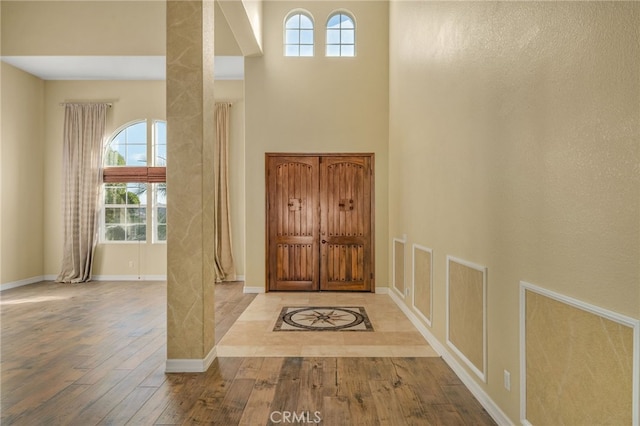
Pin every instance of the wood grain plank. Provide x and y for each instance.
(466, 405)
(388, 411)
(335, 411)
(229, 411)
(258, 406)
(288, 387)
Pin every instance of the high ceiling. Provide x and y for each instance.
(114, 67)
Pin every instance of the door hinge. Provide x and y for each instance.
(371, 275)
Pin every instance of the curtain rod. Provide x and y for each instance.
(108, 103)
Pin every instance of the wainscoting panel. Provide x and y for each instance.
(398, 266)
(579, 363)
(422, 281)
(466, 313)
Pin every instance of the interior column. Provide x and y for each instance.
(190, 182)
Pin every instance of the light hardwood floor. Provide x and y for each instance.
(94, 353)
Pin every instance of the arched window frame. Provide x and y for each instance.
(298, 38)
(145, 186)
(340, 41)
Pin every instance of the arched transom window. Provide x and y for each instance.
(298, 35)
(341, 35)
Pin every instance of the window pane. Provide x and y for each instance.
(348, 50)
(137, 133)
(115, 194)
(162, 215)
(113, 157)
(136, 215)
(137, 192)
(346, 22)
(305, 22)
(162, 232)
(113, 215)
(293, 22)
(292, 50)
(347, 37)
(161, 132)
(114, 233)
(306, 50)
(132, 197)
(306, 36)
(333, 50)
(118, 140)
(161, 194)
(292, 37)
(136, 155)
(136, 232)
(334, 22)
(161, 155)
(333, 36)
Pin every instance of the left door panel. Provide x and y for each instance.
(293, 221)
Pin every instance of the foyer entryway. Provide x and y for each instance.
(320, 222)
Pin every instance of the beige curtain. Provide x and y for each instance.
(225, 269)
(84, 131)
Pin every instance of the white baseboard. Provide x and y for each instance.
(492, 408)
(129, 278)
(20, 283)
(190, 365)
(40, 278)
(257, 290)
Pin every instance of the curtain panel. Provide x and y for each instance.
(225, 268)
(84, 133)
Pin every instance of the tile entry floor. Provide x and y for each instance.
(252, 334)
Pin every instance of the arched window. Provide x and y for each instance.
(131, 184)
(341, 35)
(298, 35)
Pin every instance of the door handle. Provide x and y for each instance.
(324, 241)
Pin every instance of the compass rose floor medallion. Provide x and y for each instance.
(323, 318)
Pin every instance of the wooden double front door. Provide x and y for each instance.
(319, 222)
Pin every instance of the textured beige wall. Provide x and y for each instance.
(133, 100)
(582, 372)
(514, 143)
(225, 42)
(21, 143)
(83, 28)
(94, 28)
(316, 104)
(254, 14)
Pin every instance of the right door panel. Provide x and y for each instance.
(346, 234)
